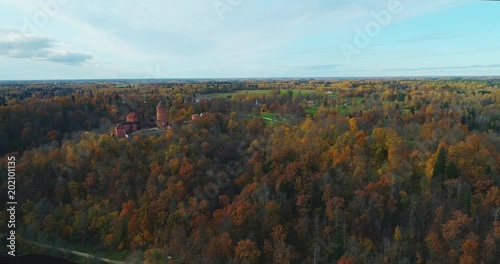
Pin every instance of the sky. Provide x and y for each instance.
(115, 39)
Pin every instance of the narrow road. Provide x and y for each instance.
(76, 253)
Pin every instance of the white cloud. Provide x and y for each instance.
(187, 37)
(15, 45)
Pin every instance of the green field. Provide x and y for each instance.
(269, 118)
(269, 115)
(311, 110)
(299, 92)
(259, 92)
(245, 92)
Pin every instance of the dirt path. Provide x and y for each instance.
(76, 253)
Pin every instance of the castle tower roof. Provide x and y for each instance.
(132, 117)
(161, 104)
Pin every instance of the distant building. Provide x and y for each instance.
(133, 125)
(197, 116)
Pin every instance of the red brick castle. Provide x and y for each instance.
(134, 126)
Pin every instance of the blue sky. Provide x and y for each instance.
(93, 39)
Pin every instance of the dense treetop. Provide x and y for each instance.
(283, 171)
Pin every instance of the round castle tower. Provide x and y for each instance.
(161, 115)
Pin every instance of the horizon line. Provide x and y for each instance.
(259, 78)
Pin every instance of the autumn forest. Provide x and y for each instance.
(273, 171)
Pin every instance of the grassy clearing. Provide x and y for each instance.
(263, 92)
(270, 118)
(299, 92)
(216, 95)
(359, 100)
(245, 92)
(269, 115)
(311, 110)
(344, 110)
(255, 92)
